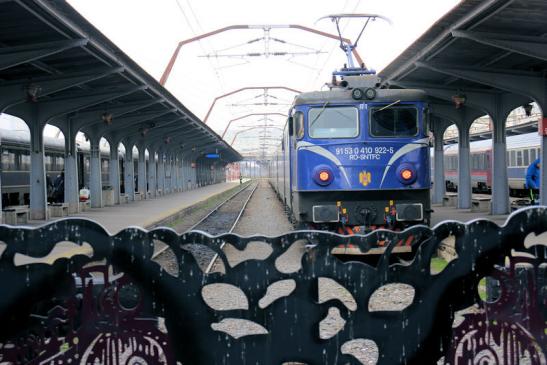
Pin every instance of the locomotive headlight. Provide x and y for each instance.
(323, 175)
(406, 173)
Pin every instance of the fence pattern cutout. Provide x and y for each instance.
(72, 293)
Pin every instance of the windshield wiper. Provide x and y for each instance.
(318, 115)
(387, 106)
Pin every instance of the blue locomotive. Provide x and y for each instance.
(356, 157)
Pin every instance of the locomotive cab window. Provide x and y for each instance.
(394, 121)
(298, 121)
(333, 122)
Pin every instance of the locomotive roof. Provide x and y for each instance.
(339, 95)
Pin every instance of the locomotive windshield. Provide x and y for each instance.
(333, 122)
(393, 121)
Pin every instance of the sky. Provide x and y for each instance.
(148, 31)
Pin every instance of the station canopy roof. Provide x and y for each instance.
(55, 61)
(482, 51)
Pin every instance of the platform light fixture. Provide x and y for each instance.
(107, 118)
(459, 100)
(32, 92)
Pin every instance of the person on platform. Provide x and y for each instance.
(58, 193)
(533, 179)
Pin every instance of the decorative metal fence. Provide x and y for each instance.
(72, 293)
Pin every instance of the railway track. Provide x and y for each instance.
(222, 219)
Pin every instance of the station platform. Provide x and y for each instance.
(441, 214)
(146, 213)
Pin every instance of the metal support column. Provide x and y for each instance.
(439, 184)
(95, 183)
(500, 184)
(161, 172)
(114, 171)
(181, 171)
(172, 174)
(142, 172)
(129, 172)
(38, 189)
(464, 168)
(168, 176)
(152, 182)
(72, 193)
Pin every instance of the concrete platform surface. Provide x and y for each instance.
(441, 214)
(146, 213)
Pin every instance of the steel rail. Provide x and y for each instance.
(215, 257)
(163, 249)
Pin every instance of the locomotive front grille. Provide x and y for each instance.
(410, 212)
(325, 214)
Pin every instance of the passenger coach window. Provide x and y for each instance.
(25, 161)
(396, 121)
(333, 122)
(8, 160)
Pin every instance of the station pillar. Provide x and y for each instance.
(439, 185)
(95, 183)
(464, 167)
(152, 185)
(185, 175)
(179, 173)
(142, 172)
(171, 173)
(114, 170)
(161, 173)
(500, 183)
(167, 171)
(72, 194)
(38, 189)
(129, 172)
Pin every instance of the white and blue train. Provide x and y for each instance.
(355, 158)
(522, 150)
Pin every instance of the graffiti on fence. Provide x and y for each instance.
(72, 293)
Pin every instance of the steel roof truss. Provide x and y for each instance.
(14, 56)
(534, 87)
(15, 93)
(535, 47)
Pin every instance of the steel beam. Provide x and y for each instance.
(91, 117)
(17, 92)
(118, 129)
(14, 56)
(60, 106)
(535, 47)
(531, 85)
